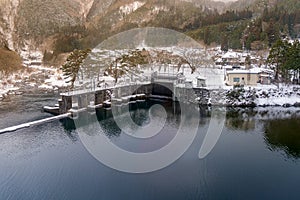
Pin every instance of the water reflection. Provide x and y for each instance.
(281, 126)
(139, 113)
(240, 119)
(284, 135)
(47, 161)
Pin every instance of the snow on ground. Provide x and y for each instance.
(262, 95)
(129, 8)
(270, 95)
(57, 80)
(283, 95)
(40, 68)
(6, 90)
(33, 76)
(214, 77)
(278, 101)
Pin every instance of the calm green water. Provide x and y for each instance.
(256, 157)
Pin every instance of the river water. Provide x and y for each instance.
(256, 157)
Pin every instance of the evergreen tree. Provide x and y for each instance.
(248, 62)
(292, 62)
(272, 33)
(286, 58)
(224, 43)
(276, 56)
(72, 65)
(207, 36)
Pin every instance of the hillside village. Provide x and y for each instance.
(244, 68)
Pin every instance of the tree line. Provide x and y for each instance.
(273, 24)
(285, 58)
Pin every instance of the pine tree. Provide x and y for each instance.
(72, 65)
(286, 58)
(292, 61)
(248, 62)
(224, 43)
(206, 36)
(127, 64)
(276, 56)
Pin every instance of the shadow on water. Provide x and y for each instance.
(139, 113)
(69, 127)
(284, 135)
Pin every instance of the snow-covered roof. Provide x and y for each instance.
(243, 71)
(219, 60)
(231, 54)
(228, 67)
(265, 75)
(201, 77)
(255, 70)
(239, 71)
(107, 78)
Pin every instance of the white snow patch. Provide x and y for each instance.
(129, 8)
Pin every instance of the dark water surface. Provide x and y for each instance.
(256, 157)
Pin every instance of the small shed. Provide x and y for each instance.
(201, 81)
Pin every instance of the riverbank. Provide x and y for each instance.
(32, 81)
(284, 95)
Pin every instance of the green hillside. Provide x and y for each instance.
(272, 21)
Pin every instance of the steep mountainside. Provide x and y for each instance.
(120, 15)
(98, 7)
(258, 6)
(54, 27)
(8, 12)
(33, 21)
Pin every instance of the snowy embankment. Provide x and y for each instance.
(285, 96)
(32, 78)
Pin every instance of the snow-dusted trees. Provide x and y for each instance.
(166, 57)
(127, 63)
(72, 65)
(285, 56)
(123, 62)
(198, 58)
(276, 56)
(130, 63)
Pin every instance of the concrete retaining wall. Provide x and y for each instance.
(183, 94)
